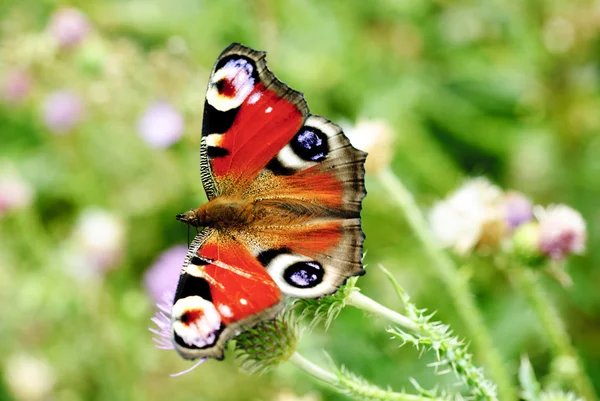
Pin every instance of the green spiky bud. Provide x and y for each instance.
(324, 309)
(267, 344)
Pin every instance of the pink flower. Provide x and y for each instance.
(160, 125)
(95, 246)
(163, 275)
(69, 26)
(62, 111)
(15, 193)
(518, 209)
(562, 231)
(16, 86)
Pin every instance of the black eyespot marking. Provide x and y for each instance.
(310, 144)
(277, 168)
(241, 62)
(183, 344)
(220, 85)
(217, 122)
(216, 151)
(265, 257)
(192, 286)
(304, 274)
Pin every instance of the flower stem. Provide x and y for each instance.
(553, 326)
(456, 284)
(349, 385)
(314, 370)
(365, 303)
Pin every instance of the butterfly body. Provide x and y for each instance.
(283, 217)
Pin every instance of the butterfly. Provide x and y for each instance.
(284, 190)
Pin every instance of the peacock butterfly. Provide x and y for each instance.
(284, 192)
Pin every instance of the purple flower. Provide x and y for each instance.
(562, 231)
(518, 209)
(163, 275)
(69, 26)
(16, 86)
(160, 125)
(162, 319)
(62, 110)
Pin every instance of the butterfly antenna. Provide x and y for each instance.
(189, 369)
(188, 235)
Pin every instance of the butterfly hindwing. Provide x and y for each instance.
(222, 288)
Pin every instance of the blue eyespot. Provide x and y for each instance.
(310, 144)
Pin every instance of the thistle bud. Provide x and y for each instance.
(525, 244)
(267, 344)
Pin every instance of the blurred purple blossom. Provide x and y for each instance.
(16, 86)
(163, 275)
(562, 231)
(160, 125)
(15, 193)
(518, 209)
(69, 26)
(62, 110)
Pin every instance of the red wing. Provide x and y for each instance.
(249, 116)
(222, 289)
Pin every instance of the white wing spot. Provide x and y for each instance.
(243, 301)
(269, 109)
(225, 310)
(254, 98)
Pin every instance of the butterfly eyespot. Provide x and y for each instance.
(232, 81)
(310, 144)
(225, 88)
(304, 274)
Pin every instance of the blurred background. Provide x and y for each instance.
(100, 119)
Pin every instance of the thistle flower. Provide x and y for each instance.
(62, 110)
(470, 216)
(69, 27)
(29, 378)
(162, 319)
(16, 86)
(163, 275)
(160, 125)
(15, 193)
(376, 138)
(562, 231)
(518, 209)
(164, 340)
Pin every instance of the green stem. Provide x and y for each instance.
(350, 387)
(553, 327)
(360, 301)
(456, 284)
(314, 370)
